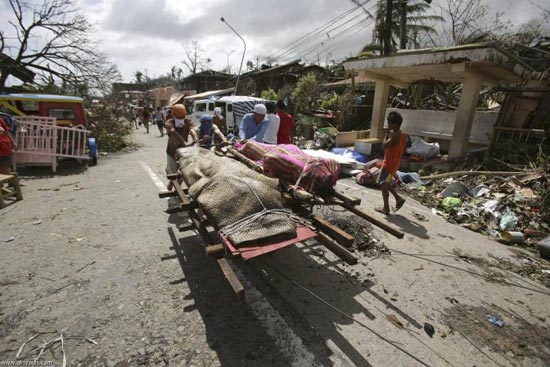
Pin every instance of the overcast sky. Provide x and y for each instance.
(149, 35)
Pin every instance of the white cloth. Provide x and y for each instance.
(270, 136)
(179, 122)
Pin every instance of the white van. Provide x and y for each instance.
(233, 109)
(201, 107)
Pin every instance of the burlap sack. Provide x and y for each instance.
(227, 191)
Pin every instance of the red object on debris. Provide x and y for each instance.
(302, 233)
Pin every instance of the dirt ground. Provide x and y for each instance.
(94, 256)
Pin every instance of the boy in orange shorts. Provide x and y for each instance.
(394, 144)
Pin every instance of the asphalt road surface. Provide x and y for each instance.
(94, 255)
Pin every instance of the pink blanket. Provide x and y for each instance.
(292, 166)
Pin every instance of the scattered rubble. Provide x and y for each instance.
(361, 230)
(517, 339)
(508, 209)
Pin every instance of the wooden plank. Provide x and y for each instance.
(184, 199)
(186, 227)
(231, 277)
(340, 251)
(342, 237)
(182, 207)
(377, 222)
(200, 228)
(215, 250)
(172, 176)
(167, 194)
(352, 201)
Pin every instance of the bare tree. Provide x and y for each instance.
(52, 39)
(468, 21)
(193, 56)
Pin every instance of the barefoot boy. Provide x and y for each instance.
(394, 145)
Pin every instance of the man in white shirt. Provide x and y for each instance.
(270, 136)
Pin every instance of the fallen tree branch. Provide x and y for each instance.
(475, 173)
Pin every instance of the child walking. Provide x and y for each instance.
(394, 144)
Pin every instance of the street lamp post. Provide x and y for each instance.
(242, 59)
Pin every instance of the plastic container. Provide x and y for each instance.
(514, 237)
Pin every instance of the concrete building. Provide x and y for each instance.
(474, 66)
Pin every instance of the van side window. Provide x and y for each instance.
(201, 107)
(211, 107)
(229, 107)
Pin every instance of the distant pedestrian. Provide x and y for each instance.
(394, 144)
(286, 125)
(270, 136)
(7, 146)
(159, 120)
(133, 117)
(146, 117)
(218, 119)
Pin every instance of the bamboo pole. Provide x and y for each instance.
(474, 173)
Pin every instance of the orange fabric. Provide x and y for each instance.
(392, 155)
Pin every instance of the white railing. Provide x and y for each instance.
(41, 142)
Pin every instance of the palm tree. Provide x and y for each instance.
(417, 24)
(139, 76)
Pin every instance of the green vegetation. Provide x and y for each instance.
(307, 93)
(269, 94)
(110, 132)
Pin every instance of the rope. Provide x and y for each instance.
(246, 221)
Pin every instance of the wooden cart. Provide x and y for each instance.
(327, 234)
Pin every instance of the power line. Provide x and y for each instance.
(339, 45)
(313, 47)
(319, 35)
(309, 37)
(291, 51)
(336, 42)
(318, 29)
(335, 37)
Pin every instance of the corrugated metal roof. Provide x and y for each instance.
(210, 93)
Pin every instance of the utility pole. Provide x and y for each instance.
(403, 26)
(387, 27)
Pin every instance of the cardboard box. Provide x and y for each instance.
(368, 146)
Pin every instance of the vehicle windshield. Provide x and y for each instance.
(61, 113)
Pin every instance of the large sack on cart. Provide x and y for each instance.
(244, 205)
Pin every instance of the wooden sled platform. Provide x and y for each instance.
(328, 235)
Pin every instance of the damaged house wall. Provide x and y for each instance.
(437, 126)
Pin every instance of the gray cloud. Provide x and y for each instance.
(273, 22)
(149, 34)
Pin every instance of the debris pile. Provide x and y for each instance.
(361, 230)
(510, 209)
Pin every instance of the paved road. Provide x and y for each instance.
(94, 255)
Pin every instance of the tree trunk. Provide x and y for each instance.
(387, 27)
(3, 79)
(403, 26)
